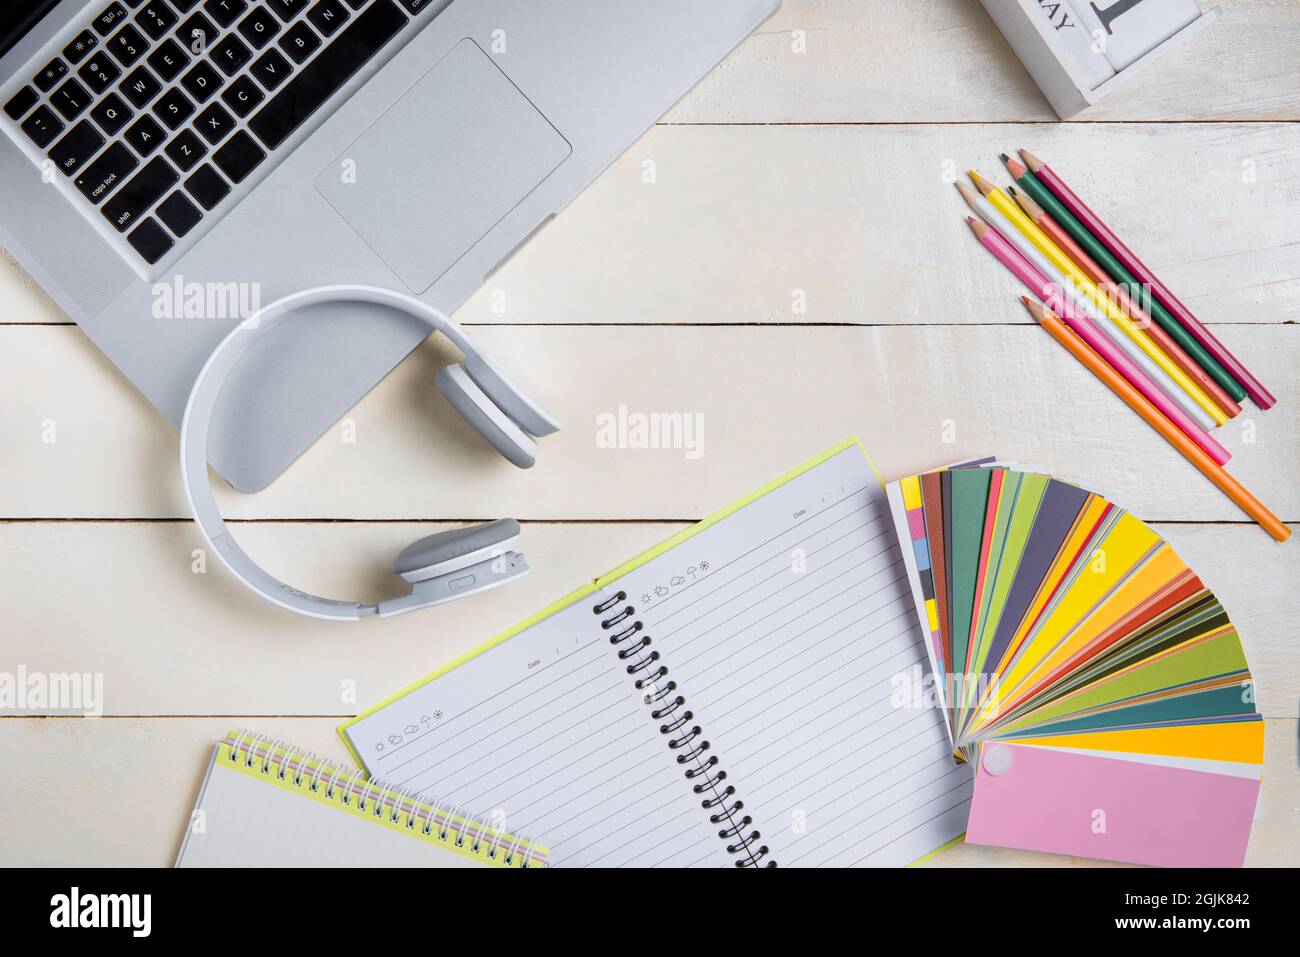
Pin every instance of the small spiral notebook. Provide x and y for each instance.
(738, 695)
(267, 804)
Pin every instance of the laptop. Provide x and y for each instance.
(168, 165)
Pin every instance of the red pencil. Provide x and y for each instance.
(1097, 274)
(1258, 393)
(1055, 298)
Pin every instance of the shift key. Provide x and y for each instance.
(136, 198)
(106, 174)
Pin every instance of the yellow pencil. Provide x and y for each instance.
(1004, 204)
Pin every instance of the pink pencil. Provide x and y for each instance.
(1054, 298)
(1258, 393)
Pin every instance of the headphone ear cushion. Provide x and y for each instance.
(454, 549)
(485, 417)
(510, 397)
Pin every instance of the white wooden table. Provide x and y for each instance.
(819, 177)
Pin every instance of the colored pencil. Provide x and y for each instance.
(1054, 297)
(1085, 305)
(1020, 221)
(1159, 336)
(1247, 502)
(1115, 269)
(1159, 291)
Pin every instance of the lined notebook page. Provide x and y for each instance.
(247, 822)
(787, 626)
(546, 734)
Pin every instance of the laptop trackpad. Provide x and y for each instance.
(444, 165)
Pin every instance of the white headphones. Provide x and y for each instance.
(441, 568)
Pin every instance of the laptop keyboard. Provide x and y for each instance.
(158, 108)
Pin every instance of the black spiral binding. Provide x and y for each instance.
(684, 737)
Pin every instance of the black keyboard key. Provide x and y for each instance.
(356, 4)
(259, 27)
(178, 214)
(150, 240)
(173, 108)
(231, 54)
(185, 6)
(111, 16)
(128, 45)
(112, 113)
(197, 34)
(225, 12)
(286, 10)
(215, 123)
(145, 135)
(271, 68)
(140, 87)
(239, 157)
(52, 73)
(300, 42)
(71, 99)
(156, 19)
(42, 126)
(415, 6)
(133, 200)
(80, 47)
(242, 96)
(202, 81)
(316, 82)
(21, 102)
(82, 142)
(107, 173)
(186, 150)
(99, 72)
(328, 16)
(207, 186)
(168, 60)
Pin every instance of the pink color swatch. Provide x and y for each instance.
(1067, 803)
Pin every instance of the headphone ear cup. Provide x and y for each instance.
(485, 417)
(455, 549)
(509, 397)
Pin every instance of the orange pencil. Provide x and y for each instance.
(1043, 220)
(1230, 487)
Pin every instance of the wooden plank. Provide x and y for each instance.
(944, 61)
(861, 225)
(764, 399)
(172, 637)
(145, 775)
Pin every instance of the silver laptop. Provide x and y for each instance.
(166, 165)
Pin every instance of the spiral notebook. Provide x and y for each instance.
(743, 694)
(267, 804)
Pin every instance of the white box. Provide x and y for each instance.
(1065, 46)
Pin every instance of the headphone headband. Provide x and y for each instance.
(196, 426)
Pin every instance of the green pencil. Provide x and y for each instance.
(1122, 277)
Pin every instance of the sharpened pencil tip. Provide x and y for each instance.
(1005, 157)
(967, 194)
(1035, 309)
(1032, 161)
(983, 185)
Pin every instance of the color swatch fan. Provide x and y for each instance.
(1087, 674)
